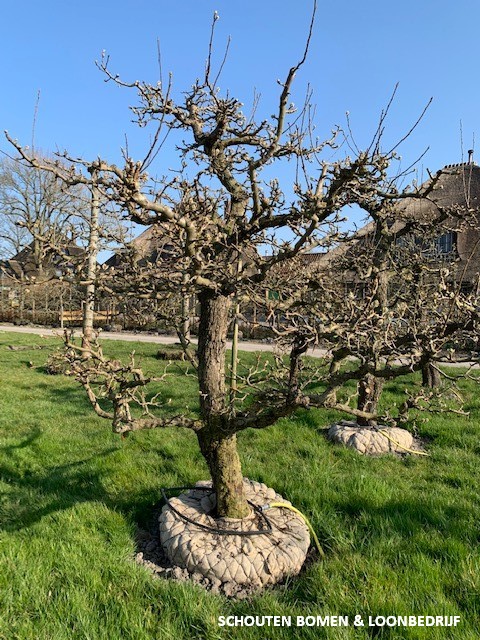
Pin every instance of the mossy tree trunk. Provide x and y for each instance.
(217, 442)
(369, 392)
(431, 377)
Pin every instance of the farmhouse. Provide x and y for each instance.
(34, 283)
(149, 247)
(458, 241)
(455, 189)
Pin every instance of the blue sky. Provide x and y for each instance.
(359, 51)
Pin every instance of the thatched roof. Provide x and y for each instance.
(151, 245)
(456, 189)
(456, 186)
(23, 266)
(155, 244)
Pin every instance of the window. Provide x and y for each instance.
(445, 244)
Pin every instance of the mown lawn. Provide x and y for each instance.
(401, 534)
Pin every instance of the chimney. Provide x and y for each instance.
(470, 156)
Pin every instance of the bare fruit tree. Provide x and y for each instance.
(216, 221)
(387, 302)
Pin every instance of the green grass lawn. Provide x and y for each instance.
(401, 534)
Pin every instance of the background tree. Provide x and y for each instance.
(39, 219)
(55, 230)
(36, 209)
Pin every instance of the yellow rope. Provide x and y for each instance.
(417, 453)
(305, 519)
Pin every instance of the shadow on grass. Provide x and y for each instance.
(412, 520)
(40, 493)
(37, 493)
(33, 437)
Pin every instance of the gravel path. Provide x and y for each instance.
(160, 339)
(143, 337)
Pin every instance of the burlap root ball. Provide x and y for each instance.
(371, 441)
(255, 561)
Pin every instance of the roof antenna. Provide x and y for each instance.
(470, 156)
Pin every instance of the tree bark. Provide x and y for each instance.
(370, 387)
(430, 376)
(300, 346)
(93, 242)
(217, 442)
(223, 461)
(369, 392)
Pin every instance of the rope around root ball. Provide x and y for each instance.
(235, 559)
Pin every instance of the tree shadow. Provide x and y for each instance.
(410, 517)
(33, 437)
(39, 493)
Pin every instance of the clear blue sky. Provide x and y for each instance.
(359, 51)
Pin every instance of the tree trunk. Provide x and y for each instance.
(369, 392)
(234, 356)
(217, 443)
(22, 302)
(225, 468)
(430, 376)
(300, 346)
(93, 242)
(370, 387)
(185, 328)
(61, 310)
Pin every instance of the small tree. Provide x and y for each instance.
(387, 301)
(55, 230)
